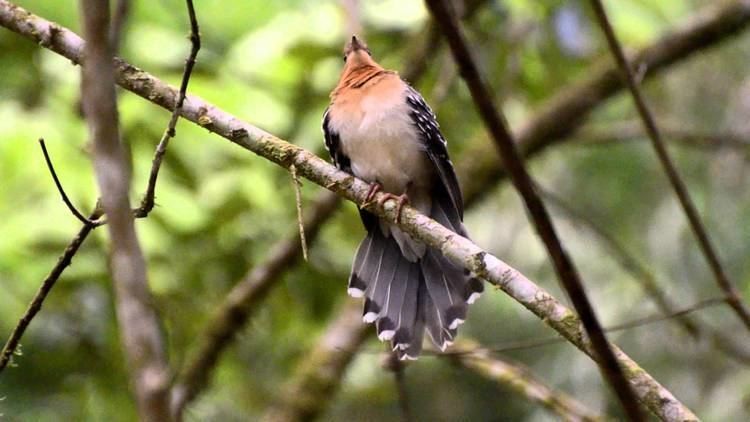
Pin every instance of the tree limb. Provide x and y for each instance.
(566, 271)
(141, 338)
(688, 207)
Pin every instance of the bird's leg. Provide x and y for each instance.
(400, 201)
(375, 187)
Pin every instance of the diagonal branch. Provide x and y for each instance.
(704, 242)
(513, 163)
(147, 203)
(49, 282)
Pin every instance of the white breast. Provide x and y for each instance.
(382, 143)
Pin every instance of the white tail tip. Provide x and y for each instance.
(386, 335)
(472, 298)
(370, 317)
(355, 292)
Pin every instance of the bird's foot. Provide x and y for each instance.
(375, 187)
(400, 201)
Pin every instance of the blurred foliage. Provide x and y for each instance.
(220, 208)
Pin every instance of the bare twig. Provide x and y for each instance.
(83, 219)
(457, 249)
(521, 380)
(141, 337)
(513, 163)
(726, 285)
(49, 282)
(298, 201)
(147, 203)
(516, 345)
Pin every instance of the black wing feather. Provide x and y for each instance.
(436, 146)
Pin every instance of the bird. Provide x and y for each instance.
(380, 129)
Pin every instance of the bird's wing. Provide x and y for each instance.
(333, 145)
(435, 146)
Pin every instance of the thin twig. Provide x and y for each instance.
(83, 219)
(726, 285)
(298, 200)
(49, 282)
(516, 345)
(513, 163)
(147, 203)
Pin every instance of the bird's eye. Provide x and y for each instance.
(369, 53)
(344, 58)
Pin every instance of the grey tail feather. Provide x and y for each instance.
(404, 298)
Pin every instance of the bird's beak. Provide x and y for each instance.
(357, 44)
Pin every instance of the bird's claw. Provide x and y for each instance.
(400, 201)
(375, 187)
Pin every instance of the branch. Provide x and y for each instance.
(85, 220)
(522, 381)
(636, 323)
(320, 373)
(567, 273)
(458, 249)
(147, 203)
(142, 340)
(558, 117)
(647, 280)
(49, 282)
(704, 242)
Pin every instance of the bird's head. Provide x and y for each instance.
(357, 54)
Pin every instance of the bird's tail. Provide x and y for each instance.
(403, 298)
